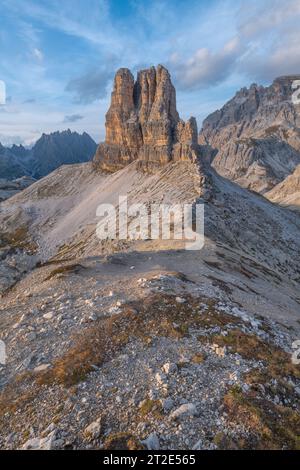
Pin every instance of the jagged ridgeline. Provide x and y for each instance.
(256, 135)
(143, 124)
(47, 154)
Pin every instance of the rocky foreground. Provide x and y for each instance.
(119, 352)
(131, 344)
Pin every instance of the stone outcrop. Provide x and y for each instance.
(10, 188)
(287, 193)
(143, 124)
(256, 135)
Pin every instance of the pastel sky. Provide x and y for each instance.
(58, 57)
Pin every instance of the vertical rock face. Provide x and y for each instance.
(256, 135)
(143, 124)
(123, 132)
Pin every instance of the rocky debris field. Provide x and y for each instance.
(157, 362)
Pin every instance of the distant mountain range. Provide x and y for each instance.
(48, 153)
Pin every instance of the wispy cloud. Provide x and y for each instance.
(264, 44)
(89, 22)
(92, 85)
(72, 118)
(38, 54)
(206, 68)
(29, 101)
(272, 36)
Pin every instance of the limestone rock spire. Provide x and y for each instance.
(143, 124)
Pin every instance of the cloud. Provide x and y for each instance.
(90, 23)
(283, 59)
(271, 37)
(9, 140)
(37, 53)
(265, 44)
(73, 118)
(206, 68)
(91, 86)
(266, 16)
(29, 101)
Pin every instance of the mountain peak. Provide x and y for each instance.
(143, 124)
(49, 152)
(256, 135)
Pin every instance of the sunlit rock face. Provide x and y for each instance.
(143, 124)
(256, 135)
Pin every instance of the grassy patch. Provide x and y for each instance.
(279, 387)
(271, 426)
(150, 318)
(17, 395)
(89, 348)
(278, 362)
(152, 407)
(160, 315)
(122, 441)
(198, 358)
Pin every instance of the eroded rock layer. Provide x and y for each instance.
(256, 134)
(143, 124)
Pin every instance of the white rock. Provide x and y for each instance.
(160, 378)
(114, 310)
(46, 443)
(297, 390)
(189, 409)
(219, 351)
(48, 316)
(169, 368)
(152, 442)
(93, 431)
(180, 300)
(41, 368)
(49, 429)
